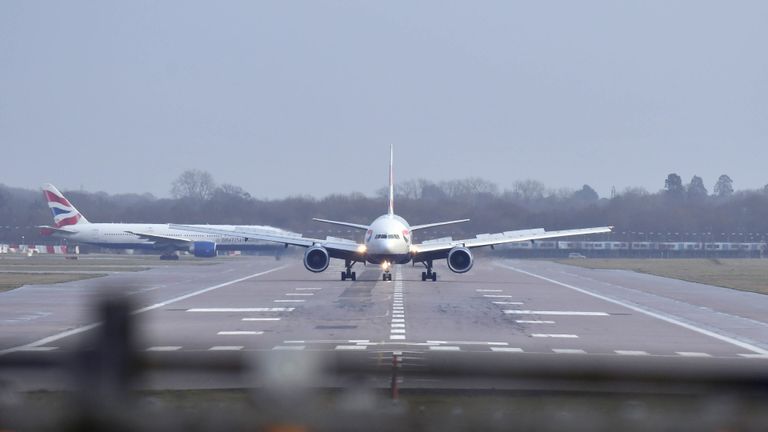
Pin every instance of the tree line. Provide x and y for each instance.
(197, 198)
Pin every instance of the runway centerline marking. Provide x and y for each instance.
(261, 319)
(551, 312)
(692, 354)
(226, 348)
(257, 309)
(239, 332)
(652, 314)
(81, 329)
(534, 322)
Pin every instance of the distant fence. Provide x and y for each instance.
(629, 248)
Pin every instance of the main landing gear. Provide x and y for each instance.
(348, 274)
(429, 274)
(386, 276)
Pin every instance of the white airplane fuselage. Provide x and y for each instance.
(388, 240)
(116, 235)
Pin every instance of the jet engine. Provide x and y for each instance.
(316, 259)
(203, 249)
(460, 260)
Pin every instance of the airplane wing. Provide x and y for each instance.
(437, 224)
(336, 247)
(346, 224)
(436, 249)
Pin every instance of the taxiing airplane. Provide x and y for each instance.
(70, 224)
(389, 240)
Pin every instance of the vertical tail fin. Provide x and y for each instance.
(391, 209)
(64, 213)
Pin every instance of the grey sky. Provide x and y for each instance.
(290, 97)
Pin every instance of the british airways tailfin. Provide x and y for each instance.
(64, 213)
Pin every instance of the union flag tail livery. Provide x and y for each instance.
(64, 213)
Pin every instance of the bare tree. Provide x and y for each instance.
(724, 186)
(194, 184)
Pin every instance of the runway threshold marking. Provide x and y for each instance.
(652, 314)
(85, 328)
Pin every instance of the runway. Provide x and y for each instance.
(513, 307)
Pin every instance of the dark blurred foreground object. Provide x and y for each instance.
(114, 387)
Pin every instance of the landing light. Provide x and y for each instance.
(362, 249)
(385, 265)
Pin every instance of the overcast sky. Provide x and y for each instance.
(291, 97)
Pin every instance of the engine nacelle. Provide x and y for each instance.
(203, 249)
(316, 259)
(460, 260)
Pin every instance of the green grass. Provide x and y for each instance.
(9, 281)
(740, 274)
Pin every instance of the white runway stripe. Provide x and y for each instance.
(497, 296)
(692, 354)
(254, 309)
(762, 356)
(299, 294)
(488, 290)
(534, 322)
(506, 303)
(78, 330)
(506, 349)
(552, 312)
(396, 337)
(289, 348)
(350, 347)
(226, 348)
(444, 348)
(239, 332)
(568, 351)
(164, 348)
(261, 319)
(308, 289)
(555, 335)
(38, 348)
(625, 352)
(649, 313)
(289, 301)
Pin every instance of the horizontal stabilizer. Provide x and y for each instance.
(46, 230)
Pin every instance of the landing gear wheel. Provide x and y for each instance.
(386, 276)
(354, 276)
(423, 276)
(434, 276)
(343, 276)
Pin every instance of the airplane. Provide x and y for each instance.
(70, 224)
(388, 240)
